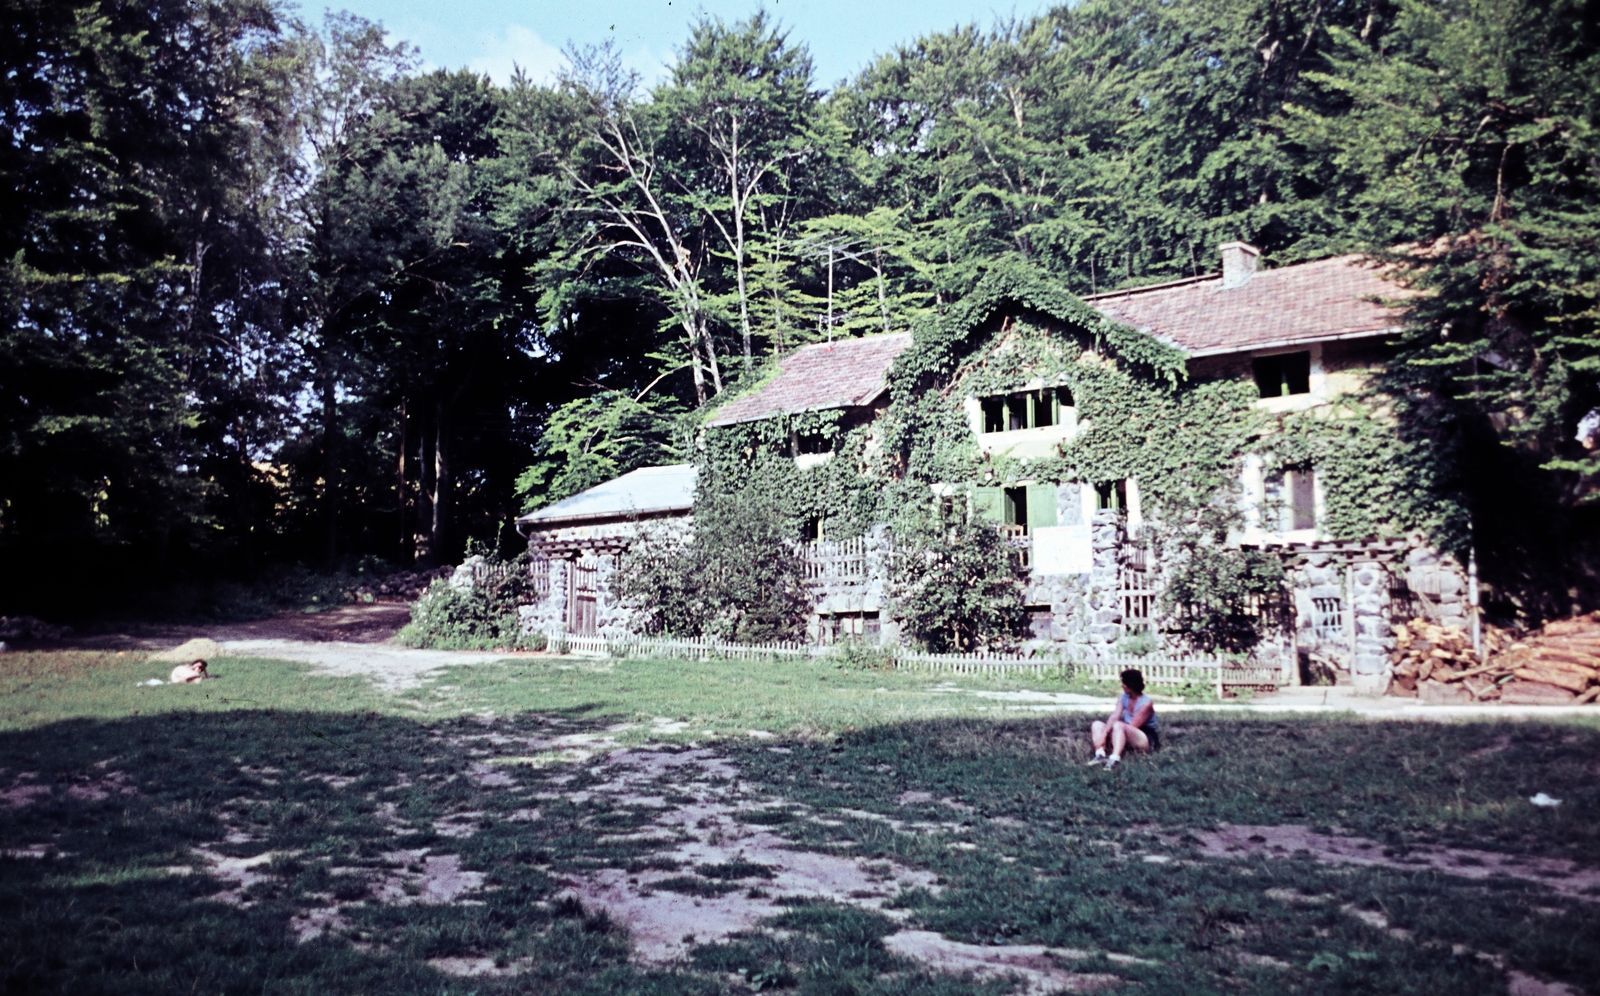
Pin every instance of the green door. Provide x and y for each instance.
(1041, 505)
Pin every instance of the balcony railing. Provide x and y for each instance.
(836, 561)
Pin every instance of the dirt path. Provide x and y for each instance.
(392, 668)
(372, 623)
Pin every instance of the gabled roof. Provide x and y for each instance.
(646, 491)
(842, 374)
(1303, 303)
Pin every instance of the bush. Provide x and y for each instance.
(478, 616)
(957, 583)
(738, 577)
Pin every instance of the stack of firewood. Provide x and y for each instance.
(1556, 665)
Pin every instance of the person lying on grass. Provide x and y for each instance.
(1132, 723)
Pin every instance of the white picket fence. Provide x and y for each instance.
(693, 650)
(1159, 671)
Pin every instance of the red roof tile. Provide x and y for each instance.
(1328, 299)
(841, 374)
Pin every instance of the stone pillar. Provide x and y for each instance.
(1069, 504)
(1104, 610)
(1369, 605)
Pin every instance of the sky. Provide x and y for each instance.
(490, 36)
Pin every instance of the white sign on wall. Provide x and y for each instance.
(1062, 550)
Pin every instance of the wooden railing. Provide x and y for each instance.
(836, 561)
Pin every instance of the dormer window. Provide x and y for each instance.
(1025, 409)
(1283, 374)
(812, 442)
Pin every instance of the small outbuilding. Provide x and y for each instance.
(575, 542)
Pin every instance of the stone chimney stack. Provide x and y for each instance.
(1238, 263)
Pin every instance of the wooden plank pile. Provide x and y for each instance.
(1556, 665)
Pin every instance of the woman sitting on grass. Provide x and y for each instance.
(1132, 723)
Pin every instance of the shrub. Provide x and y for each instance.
(478, 616)
(957, 584)
(737, 577)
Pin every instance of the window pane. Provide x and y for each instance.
(1111, 495)
(1297, 373)
(1269, 375)
(1016, 412)
(1016, 506)
(1302, 499)
(1044, 408)
(994, 414)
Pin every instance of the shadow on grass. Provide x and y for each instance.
(318, 852)
(1035, 848)
(144, 821)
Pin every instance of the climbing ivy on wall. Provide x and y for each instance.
(1375, 479)
(1183, 440)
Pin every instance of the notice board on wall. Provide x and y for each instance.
(1062, 550)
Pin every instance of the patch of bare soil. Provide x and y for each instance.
(1041, 969)
(25, 791)
(392, 668)
(723, 876)
(1557, 874)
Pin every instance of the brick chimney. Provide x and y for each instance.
(1238, 263)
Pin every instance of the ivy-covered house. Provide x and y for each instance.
(1213, 461)
(1195, 458)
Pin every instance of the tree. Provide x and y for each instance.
(743, 96)
(624, 202)
(1462, 139)
(591, 440)
(145, 143)
(349, 78)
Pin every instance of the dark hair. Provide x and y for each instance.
(1133, 679)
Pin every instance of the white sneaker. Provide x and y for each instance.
(1097, 760)
(1112, 762)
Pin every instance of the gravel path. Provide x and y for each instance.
(390, 667)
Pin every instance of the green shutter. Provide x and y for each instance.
(1041, 505)
(989, 503)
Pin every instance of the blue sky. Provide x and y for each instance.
(491, 35)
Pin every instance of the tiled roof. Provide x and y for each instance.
(841, 374)
(643, 491)
(1328, 299)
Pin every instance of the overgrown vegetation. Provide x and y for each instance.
(480, 614)
(956, 583)
(736, 575)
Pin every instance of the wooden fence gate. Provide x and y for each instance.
(1136, 596)
(583, 598)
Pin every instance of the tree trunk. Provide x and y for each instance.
(883, 291)
(711, 354)
(441, 483)
(330, 470)
(400, 490)
(426, 554)
(694, 365)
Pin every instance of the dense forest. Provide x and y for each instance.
(275, 296)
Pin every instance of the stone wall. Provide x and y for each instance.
(1375, 593)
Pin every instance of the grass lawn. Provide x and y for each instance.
(279, 832)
